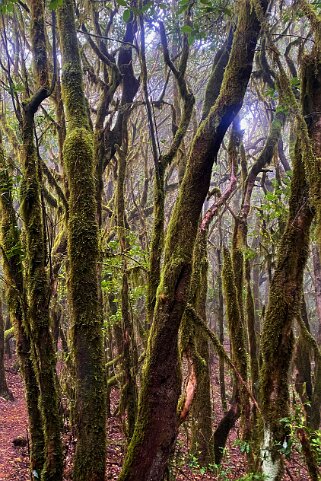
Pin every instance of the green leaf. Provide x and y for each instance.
(126, 15)
(186, 29)
(146, 7)
(54, 4)
(123, 3)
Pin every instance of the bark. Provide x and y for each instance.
(194, 343)
(157, 421)
(224, 428)
(316, 388)
(237, 339)
(17, 306)
(283, 306)
(4, 390)
(220, 321)
(83, 255)
(317, 285)
(303, 381)
(37, 281)
(129, 392)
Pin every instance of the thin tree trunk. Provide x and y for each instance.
(4, 390)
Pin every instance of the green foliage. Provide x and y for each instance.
(274, 204)
(271, 93)
(297, 422)
(252, 477)
(54, 4)
(244, 446)
(220, 472)
(7, 6)
(137, 265)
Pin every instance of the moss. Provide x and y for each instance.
(157, 245)
(37, 294)
(8, 334)
(86, 319)
(157, 423)
(193, 341)
(130, 357)
(283, 307)
(83, 254)
(16, 300)
(236, 328)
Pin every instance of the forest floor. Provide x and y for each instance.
(14, 465)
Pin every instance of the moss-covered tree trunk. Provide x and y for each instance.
(277, 336)
(194, 344)
(38, 304)
(129, 361)
(37, 281)
(16, 300)
(4, 390)
(164, 160)
(157, 422)
(242, 265)
(303, 380)
(83, 254)
(240, 400)
(317, 285)
(220, 322)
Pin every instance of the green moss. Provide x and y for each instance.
(8, 334)
(84, 257)
(16, 300)
(236, 328)
(283, 306)
(37, 295)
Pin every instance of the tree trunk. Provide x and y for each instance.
(157, 422)
(17, 306)
(4, 390)
(83, 253)
(277, 335)
(37, 281)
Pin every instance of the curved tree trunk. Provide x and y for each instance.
(157, 422)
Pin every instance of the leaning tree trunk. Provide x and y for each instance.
(157, 422)
(83, 251)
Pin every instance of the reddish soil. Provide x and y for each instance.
(14, 460)
(13, 423)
